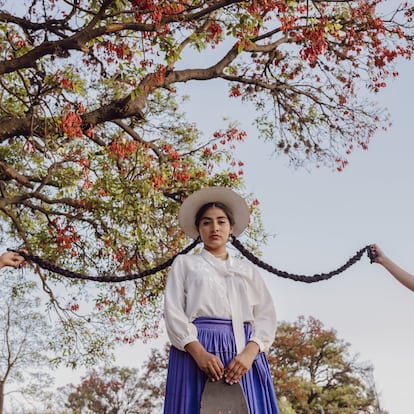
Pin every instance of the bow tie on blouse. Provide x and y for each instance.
(231, 274)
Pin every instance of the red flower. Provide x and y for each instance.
(71, 125)
(66, 84)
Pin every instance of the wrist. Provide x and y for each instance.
(252, 348)
(195, 348)
(384, 261)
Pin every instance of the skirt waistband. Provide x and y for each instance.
(204, 321)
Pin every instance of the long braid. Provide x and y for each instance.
(300, 278)
(235, 242)
(44, 264)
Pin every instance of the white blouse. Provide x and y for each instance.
(201, 285)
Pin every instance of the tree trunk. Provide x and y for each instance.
(1, 396)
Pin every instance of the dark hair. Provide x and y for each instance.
(205, 207)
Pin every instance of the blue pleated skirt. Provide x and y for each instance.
(185, 381)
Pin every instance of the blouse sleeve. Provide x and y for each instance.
(265, 322)
(179, 328)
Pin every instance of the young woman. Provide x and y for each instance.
(405, 278)
(10, 259)
(219, 314)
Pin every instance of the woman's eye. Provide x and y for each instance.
(208, 222)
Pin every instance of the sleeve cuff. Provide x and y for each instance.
(186, 341)
(262, 347)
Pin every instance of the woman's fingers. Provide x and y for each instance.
(215, 370)
(235, 370)
(212, 366)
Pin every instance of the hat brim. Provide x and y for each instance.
(226, 196)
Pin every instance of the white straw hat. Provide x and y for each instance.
(234, 202)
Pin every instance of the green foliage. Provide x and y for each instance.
(285, 407)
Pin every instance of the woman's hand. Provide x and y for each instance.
(404, 277)
(241, 363)
(210, 364)
(11, 259)
(378, 254)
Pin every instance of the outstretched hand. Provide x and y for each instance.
(11, 259)
(377, 254)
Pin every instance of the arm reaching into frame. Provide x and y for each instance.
(404, 277)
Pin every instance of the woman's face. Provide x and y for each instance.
(214, 229)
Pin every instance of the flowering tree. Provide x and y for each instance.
(315, 372)
(109, 390)
(96, 154)
(119, 390)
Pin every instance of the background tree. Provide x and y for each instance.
(314, 371)
(153, 379)
(96, 154)
(23, 340)
(116, 390)
(112, 390)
